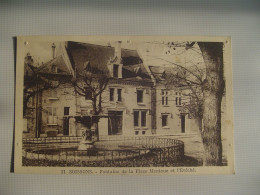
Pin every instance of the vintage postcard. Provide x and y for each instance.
(126, 105)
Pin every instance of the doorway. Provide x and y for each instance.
(183, 123)
(66, 126)
(115, 119)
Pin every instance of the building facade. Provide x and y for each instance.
(171, 117)
(135, 100)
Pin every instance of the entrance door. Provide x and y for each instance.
(65, 126)
(115, 122)
(183, 123)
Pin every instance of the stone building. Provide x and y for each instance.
(126, 103)
(171, 118)
(134, 102)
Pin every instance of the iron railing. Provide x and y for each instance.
(127, 152)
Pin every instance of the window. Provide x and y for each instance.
(112, 94)
(119, 95)
(66, 110)
(139, 96)
(54, 68)
(52, 116)
(165, 97)
(136, 118)
(53, 93)
(143, 119)
(140, 118)
(115, 71)
(88, 93)
(178, 99)
(164, 120)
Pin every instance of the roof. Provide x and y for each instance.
(95, 56)
(136, 70)
(86, 56)
(60, 64)
(167, 76)
(160, 73)
(130, 57)
(29, 70)
(172, 77)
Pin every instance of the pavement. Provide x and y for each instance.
(193, 146)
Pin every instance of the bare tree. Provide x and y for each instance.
(91, 83)
(206, 88)
(35, 83)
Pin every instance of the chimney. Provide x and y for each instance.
(53, 50)
(118, 50)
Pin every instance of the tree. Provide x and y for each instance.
(189, 80)
(35, 83)
(212, 88)
(206, 89)
(91, 83)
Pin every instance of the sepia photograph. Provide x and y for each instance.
(124, 105)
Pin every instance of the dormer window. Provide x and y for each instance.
(115, 70)
(54, 68)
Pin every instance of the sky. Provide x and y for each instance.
(152, 53)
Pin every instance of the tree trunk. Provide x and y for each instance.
(94, 105)
(199, 122)
(212, 89)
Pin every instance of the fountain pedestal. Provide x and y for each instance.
(87, 140)
(85, 145)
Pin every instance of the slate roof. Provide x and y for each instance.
(167, 76)
(59, 62)
(29, 70)
(160, 73)
(85, 55)
(130, 57)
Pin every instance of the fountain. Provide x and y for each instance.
(87, 141)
